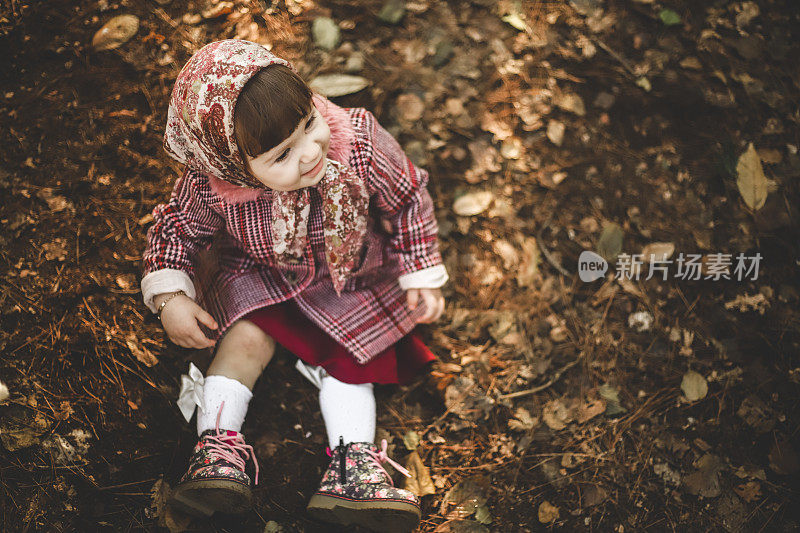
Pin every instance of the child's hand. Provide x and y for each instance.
(179, 318)
(434, 303)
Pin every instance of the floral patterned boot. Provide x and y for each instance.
(356, 490)
(216, 479)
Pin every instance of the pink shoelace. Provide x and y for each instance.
(383, 457)
(378, 459)
(229, 445)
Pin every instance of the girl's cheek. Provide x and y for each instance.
(323, 132)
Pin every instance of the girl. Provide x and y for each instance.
(294, 192)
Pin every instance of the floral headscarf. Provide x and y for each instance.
(200, 134)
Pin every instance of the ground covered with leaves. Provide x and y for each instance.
(658, 127)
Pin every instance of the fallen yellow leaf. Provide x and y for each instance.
(420, 482)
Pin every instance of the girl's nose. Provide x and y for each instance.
(311, 155)
(309, 152)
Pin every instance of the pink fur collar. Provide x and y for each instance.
(342, 138)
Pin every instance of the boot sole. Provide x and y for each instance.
(377, 515)
(202, 497)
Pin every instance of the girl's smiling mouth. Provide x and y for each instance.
(314, 171)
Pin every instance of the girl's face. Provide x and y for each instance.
(297, 162)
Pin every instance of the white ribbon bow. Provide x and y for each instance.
(314, 374)
(191, 394)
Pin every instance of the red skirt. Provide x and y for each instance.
(290, 328)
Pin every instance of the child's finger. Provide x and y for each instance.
(441, 308)
(413, 297)
(430, 306)
(201, 341)
(438, 306)
(206, 319)
(207, 343)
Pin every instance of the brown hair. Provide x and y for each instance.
(269, 108)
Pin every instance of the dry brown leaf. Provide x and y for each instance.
(523, 420)
(550, 180)
(746, 302)
(705, 481)
(464, 398)
(222, 8)
(746, 12)
(571, 102)
(555, 132)
(547, 512)
(589, 410)
(65, 410)
(159, 493)
(55, 250)
(410, 107)
(115, 32)
(691, 63)
(750, 180)
(466, 496)
(499, 127)
(126, 281)
(749, 492)
(593, 495)
(756, 414)
(332, 85)
(473, 203)
(420, 482)
(529, 265)
(694, 386)
(507, 252)
(556, 414)
(141, 353)
(19, 430)
(660, 251)
(56, 203)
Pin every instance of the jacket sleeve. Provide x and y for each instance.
(399, 188)
(181, 228)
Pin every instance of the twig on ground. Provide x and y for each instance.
(120, 485)
(622, 61)
(544, 386)
(547, 255)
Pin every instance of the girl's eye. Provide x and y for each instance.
(310, 122)
(283, 155)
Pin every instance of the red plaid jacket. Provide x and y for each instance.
(371, 314)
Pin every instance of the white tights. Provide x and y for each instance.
(348, 410)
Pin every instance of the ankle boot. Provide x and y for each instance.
(216, 478)
(356, 490)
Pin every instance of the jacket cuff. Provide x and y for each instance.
(428, 278)
(166, 280)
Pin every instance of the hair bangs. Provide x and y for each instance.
(269, 108)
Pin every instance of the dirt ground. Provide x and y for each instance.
(548, 128)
